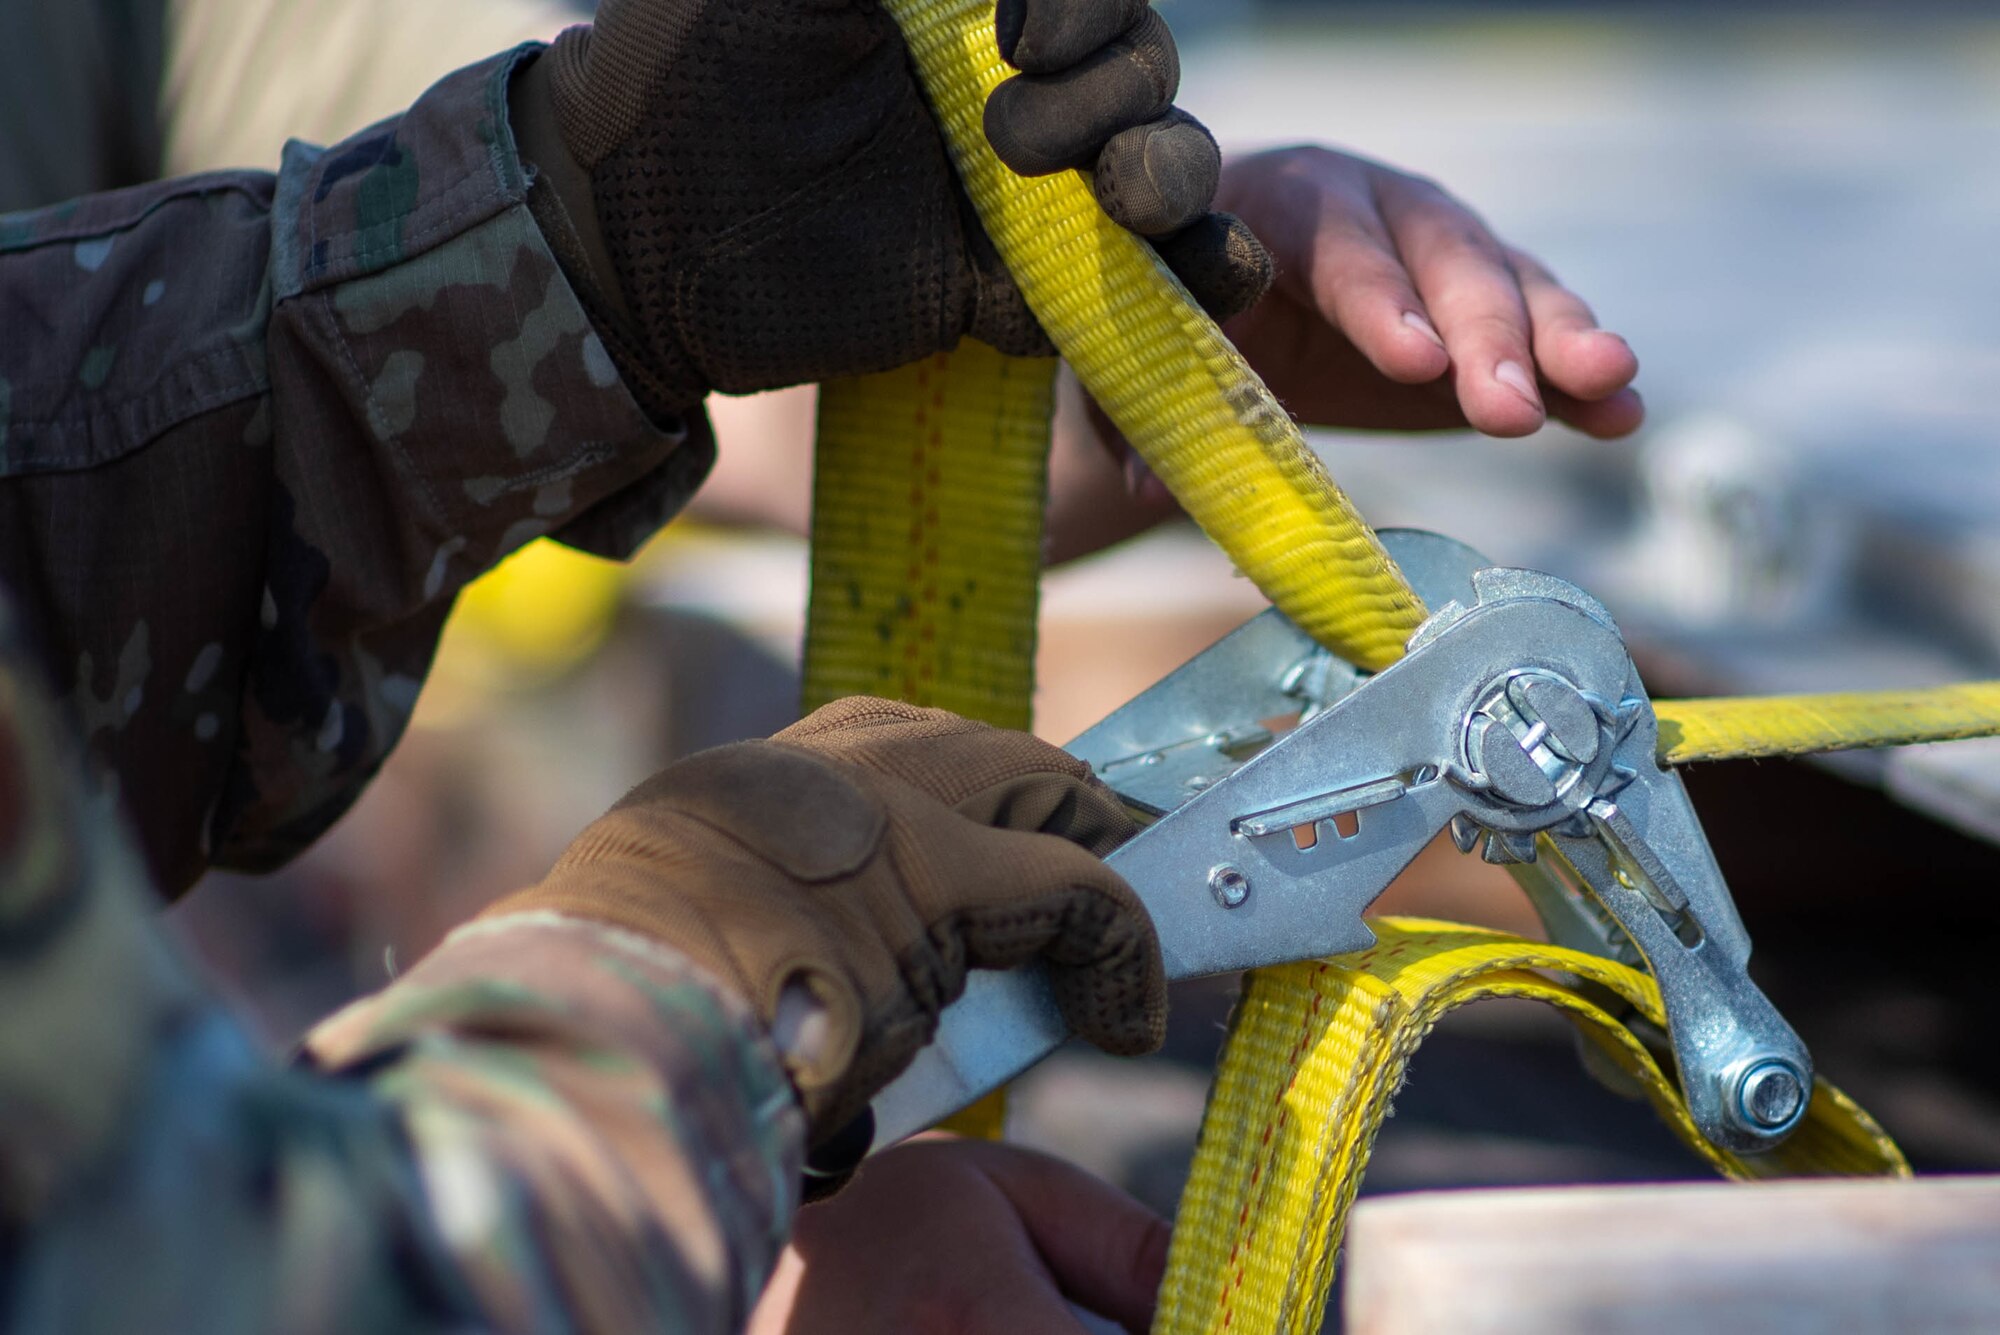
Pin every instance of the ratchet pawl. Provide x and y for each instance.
(1517, 720)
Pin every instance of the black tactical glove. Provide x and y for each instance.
(753, 193)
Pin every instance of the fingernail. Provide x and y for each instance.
(1416, 321)
(1516, 378)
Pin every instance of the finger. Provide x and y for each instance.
(1082, 811)
(780, 1298)
(944, 756)
(1159, 177)
(1338, 264)
(1043, 123)
(1323, 379)
(1571, 352)
(1474, 299)
(1024, 895)
(1048, 36)
(921, 1240)
(1221, 262)
(1106, 1250)
(1609, 418)
(1360, 286)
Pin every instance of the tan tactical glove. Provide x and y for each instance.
(752, 193)
(845, 874)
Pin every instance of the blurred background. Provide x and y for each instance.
(1790, 210)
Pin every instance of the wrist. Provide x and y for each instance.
(562, 201)
(578, 240)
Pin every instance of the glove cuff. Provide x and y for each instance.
(543, 103)
(600, 89)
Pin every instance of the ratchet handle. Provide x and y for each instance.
(1003, 1024)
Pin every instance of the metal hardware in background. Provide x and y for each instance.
(1516, 720)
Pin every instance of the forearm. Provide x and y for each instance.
(545, 1126)
(601, 1131)
(260, 430)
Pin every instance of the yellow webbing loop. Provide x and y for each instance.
(1316, 1053)
(1327, 1059)
(928, 489)
(927, 535)
(1161, 369)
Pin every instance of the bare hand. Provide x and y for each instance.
(1397, 309)
(960, 1237)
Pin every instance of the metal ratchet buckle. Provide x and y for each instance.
(1516, 720)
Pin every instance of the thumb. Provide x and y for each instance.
(1106, 1250)
(1010, 895)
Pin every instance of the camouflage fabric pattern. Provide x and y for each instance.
(546, 1126)
(256, 431)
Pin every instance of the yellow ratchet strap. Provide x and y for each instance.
(923, 498)
(1161, 369)
(928, 487)
(1792, 725)
(927, 535)
(1317, 1053)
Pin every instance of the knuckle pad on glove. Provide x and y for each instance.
(1043, 123)
(791, 809)
(1159, 177)
(1045, 36)
(1106, 972)
(1079, 810)
(1029, 895)
(854, 712)
(1221, 261)
(947, 759)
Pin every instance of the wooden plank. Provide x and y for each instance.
(1771, 1259)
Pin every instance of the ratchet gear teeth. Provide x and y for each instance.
(1465, 833)
(1503, 848)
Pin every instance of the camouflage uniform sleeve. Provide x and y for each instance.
(544, 1127)
(563, 1081)
(255, 433)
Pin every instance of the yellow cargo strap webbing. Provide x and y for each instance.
(927, 535)
(1318, 1051)
(928, 490)
(1792, 725)
(1212, 432)
(1162, 369)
